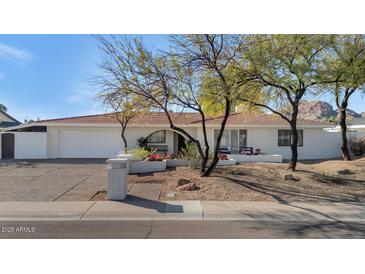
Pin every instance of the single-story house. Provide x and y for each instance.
(98, 136)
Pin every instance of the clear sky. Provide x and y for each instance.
(48, 76)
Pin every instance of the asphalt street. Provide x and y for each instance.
(180, 230)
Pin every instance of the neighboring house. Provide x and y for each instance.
(98, 136)
(7, 121)
(7, 142)
(356, 126)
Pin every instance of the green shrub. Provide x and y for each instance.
(357, 145)
(140, 152)
(189, 152)
(143, 143)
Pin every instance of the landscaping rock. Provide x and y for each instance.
(170, 195)
(23, 164)
(183, 181)
(343, 171)
(290, 177)
(187, 187)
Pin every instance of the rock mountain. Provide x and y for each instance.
(321, 110)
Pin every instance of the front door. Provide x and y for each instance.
(181, 142)
(7, 146)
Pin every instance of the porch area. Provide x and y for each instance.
(242, 158)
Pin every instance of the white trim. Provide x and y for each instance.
(338, 128)
(160, 125)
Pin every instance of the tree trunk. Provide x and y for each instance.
(124, 140)
(216, 149)
(294, 140)
(201, 154)
(206, 143)
(186, 134)
(344, 146)
(204, 163)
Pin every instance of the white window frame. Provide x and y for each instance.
(300, 137)
(161, 133)
(229, 137)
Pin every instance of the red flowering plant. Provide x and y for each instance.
(223, 157)
(169, 156)
(155, 157)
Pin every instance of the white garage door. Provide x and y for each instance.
(88, 143)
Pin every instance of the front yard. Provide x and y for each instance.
(317, 182)
(80, 180)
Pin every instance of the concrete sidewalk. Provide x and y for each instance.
(137, 209)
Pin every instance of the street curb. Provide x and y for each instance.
(180, 210)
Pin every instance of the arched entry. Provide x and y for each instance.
(7, 146)
(179, 142)
(165, 141)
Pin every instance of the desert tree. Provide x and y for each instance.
(282, 69)
(171, 79)
(129, 68)
(210, 58)
(124, 107)
(345, 61)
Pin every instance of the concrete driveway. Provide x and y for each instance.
(52, 180)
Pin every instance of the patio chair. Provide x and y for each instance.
(247, 150)
(225, 150)
(160, 149)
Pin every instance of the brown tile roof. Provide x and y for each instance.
(260, 119)
(190, 118)
(109, 118)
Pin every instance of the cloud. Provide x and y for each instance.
(15, 54)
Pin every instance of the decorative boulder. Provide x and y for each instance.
(187, 187)
(183, 181)
(170, 195)
(343, 171)
(23, 164)
(290, 177)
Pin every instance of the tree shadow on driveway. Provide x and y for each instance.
(152, 204)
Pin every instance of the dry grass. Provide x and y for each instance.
(264, 182)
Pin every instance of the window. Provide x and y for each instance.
(285, 139)
(242, 139)
(232, 139)
(157, 137)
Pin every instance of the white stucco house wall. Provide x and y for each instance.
(98, 136)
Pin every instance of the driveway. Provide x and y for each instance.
(52, 180)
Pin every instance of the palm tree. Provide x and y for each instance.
(3, 108)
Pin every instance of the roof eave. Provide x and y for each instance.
(167, 125)
(9, 116)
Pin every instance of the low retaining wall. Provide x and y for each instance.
(229, 162)
(177, 162)
(146, 166)
(256, 158)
